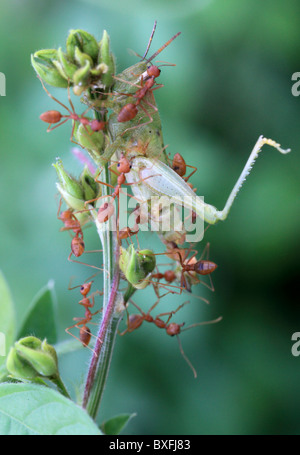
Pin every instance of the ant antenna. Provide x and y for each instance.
(150, 40)
(163, 47)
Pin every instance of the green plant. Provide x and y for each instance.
(126, 154)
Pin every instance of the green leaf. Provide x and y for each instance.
(7, 318)
(3, 373)
(40, 318)
(27, 409)
(116, 424)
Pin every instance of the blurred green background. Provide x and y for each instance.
(232, 82)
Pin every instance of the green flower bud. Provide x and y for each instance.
(18, 367)
(100, 69)
(67, 67)
(137, 266)
(31, 358)
(48, 72)
(84, 41)
(48, 55)
(71, 201)
(49, 349)
(69, 183)
(69, 188)
(107, 57)
(81, 77)
(93, 141)
(81, 58)
(91, 188)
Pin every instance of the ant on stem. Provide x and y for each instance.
(71, 223)
(85, 333)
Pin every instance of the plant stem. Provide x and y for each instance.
(101, 358)
(103, 349)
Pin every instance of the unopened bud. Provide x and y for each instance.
(81, 76)
(69, 188)
(84, 41)
(137, 266)
(47, 70)
(63, 64)
(91, 140)
(91, 189)
(107, 57)
(31, 358)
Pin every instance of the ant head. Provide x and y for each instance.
(153, 71)
(66, 215)
(170, 276)
(123, 165)
(97, 125)
(85, 288)
(174, 329)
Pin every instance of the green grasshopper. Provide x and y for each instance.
(141, 140)
(158, 179)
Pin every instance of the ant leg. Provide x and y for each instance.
(195, 169)
(141, 124)
(126, 82)
(51, 96)
(185, 357)
(84, 263)
(197, 324)
(51, 128)
(171, 313)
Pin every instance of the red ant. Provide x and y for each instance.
(189, 266)
(148, 80)
(179, 166)
(71, 223)
(53, 117)
(77, 244)
(124, 168)
(134, 321)
(81, 324)
(126, 232)
(130, 110)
